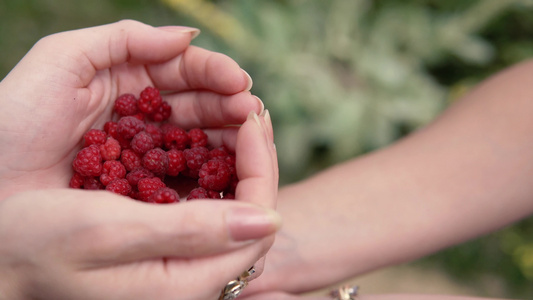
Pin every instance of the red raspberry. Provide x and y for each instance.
(150, 100)
(134, 194)
(156, 161)
(94, 137)
(76, 181)
(134, 176)
(140, 116)
(129, 126)
(175, 137)
(119, 186)
(164, 195)
(221, 151)
(232, 185)
(124, 143)
(110, 150)
(201, 193)
(148, 186)
(166, 127)
(229, 196)
(214, 175)
(176, 162)
(126, 105)
(112, 170)
(88, 161)
(130, 159)
(198, 138)
(92, 183)
(162, 113)
(195, 157)
(142, 142)
(156, 133)
(110, 128)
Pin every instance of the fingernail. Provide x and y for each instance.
(249, 80)
(250, 223)
(266, 116)
(194, 32)
(253, 116)
(260, 103)
(268, 125)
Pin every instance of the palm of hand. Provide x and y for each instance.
(41, 136)
(55, 95)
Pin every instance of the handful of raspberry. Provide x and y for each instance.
(146, 158)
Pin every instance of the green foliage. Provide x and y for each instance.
(340, 78)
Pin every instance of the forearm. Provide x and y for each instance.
(466, 174)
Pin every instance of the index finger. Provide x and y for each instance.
(101, 47)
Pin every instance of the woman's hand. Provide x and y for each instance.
(74, 244)
(59, 243)
(67, 82)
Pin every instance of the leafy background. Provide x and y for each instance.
(340, 78)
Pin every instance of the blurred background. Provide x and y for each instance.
(341, 78)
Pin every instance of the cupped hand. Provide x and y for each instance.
(67, 82)
(80, 244)
(73, 244)
(66, 85)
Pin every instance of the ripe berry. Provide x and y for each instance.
(156, 133)
(176, 162)
(94, 137)
(149, 100)
(201, 193)
(119, 186)
(134, 176)
(195, 157)
(164, 195)
(76, 181)
(88, 161)
(110, 150)
(126, 105)
(142, 142)
(148, 186)
(156, 161)
(130, 159)
(110, 128)
(162, 113)
(175, 137)
(214, 175)
(197, 137)
(229, 196)
(220, 152)
(111, 171)
(129, 126)
(92, 183)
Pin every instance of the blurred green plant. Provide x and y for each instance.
(340, 78)
(345, 77)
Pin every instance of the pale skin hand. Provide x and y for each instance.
(59, 243)
(66, 84)
(468, 173)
